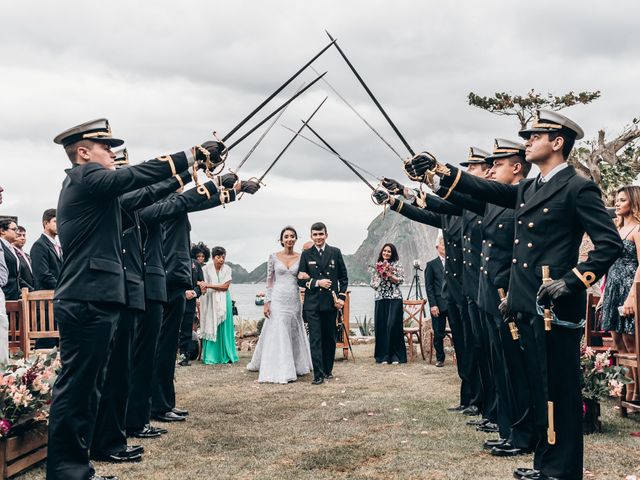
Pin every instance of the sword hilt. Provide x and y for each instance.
(255, 179)
(548, 316)
(513, 328)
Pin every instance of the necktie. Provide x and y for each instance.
(58, 250)
(539, 183)
(320, 251)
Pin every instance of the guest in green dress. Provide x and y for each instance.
(216, 312)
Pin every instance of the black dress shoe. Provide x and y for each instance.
(489, 444)
(477, 422)
(105, 477)
(471, 411)
(160, 430)
(135, 449)
(146, 432)
(457, 408)
(168, 417)
(526, 473)
(122, 456)
(180, 411)
(488, 428)
(329, 376)
(508, 450)
(439, 364)
(317, 381)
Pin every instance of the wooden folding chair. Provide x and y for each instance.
(594, 337)
(17, 321)
(413, 311)
(38, 306)
(631, 360)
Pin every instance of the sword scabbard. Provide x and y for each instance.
(546, 279)
(551, 432)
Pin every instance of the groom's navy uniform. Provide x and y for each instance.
(319, 309)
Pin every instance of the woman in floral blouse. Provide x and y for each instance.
(387, 275)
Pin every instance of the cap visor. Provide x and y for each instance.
(112, 142)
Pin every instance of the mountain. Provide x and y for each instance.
(413, 241)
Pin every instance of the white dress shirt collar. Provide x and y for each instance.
(553, 172)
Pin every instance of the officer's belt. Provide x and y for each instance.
(561, 323)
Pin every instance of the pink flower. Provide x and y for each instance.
(588, 352)
(5, 427)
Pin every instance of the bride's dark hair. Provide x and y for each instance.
(288, 228)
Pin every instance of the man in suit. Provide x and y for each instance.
(46, 254)
(4, 321)
(433, 276)
(8, 233)
(552, 213)
(323, 275)
(26, 272)
(91, 291)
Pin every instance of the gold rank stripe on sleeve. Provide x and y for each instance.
(588, 278)
(167, 158)
(225, 197)
(203, 190)
(453, 185)
(179, 179)
(400, 204)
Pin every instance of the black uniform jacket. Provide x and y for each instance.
(497, 248)
(132, 251)
(433, 275)
(330, 265)
(14, 283)
(451, 225)
(175, 206)
(90, 226)
(197, 275)
(46, 264)
(550, 222)
(25, 273)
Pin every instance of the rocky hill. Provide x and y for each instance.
(413, 241)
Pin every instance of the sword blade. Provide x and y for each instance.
(264, 120)
(330, 150)
(353, 109)
(278, 90)
(264, 134)
(290, 142)
(371, 95)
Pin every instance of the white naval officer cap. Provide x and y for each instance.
(546, 121)
(476, 155)
(96, 130)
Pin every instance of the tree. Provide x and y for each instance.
(611, 164)
(524, 106)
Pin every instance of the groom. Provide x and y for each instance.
(322, 273)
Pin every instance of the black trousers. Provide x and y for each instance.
(389, 335)
(110, 434)
(562, 379)
(186, 331)
(322, 340)
(483, 359)
(503, 393)
(523, 431)
(143, 360)
(470, 387)
(439, 324)
(164, 393)
(86, 333)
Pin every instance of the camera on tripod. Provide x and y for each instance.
(415, 286)
(416, 265)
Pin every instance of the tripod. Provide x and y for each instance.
(416, 282)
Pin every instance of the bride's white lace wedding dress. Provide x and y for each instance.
(282, 352)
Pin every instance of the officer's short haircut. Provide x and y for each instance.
(217, 251)
(526, 166)
(569, 141)
(21, 229)
(48, 215)
(319, 227)
(72, 149)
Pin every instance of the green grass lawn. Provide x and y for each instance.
(371, 422)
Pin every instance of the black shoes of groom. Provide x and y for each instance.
(320, 380)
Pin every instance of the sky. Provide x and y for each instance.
(168, 74)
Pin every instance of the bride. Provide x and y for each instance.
(283, 351)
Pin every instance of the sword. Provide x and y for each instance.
(344, 100)
(331, 151)
(513, 328)
(264, 134)
(548, 317)
(546, 279)
(278, 90)
(371, 95)
(264, 120)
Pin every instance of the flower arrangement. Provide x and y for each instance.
(385, 269)
(25, 391)
(600, 377)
